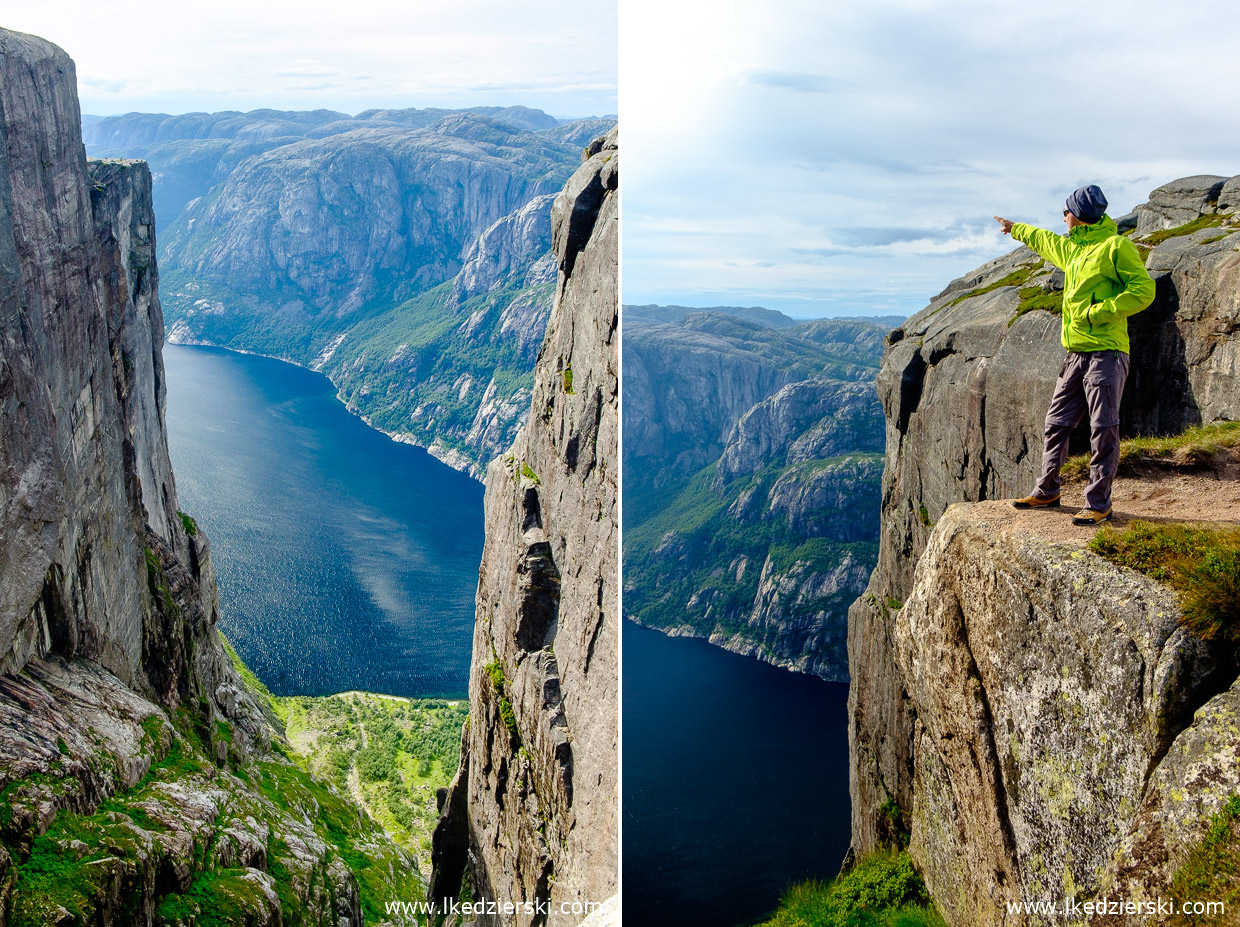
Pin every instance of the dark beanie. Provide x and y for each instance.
(1087, 204)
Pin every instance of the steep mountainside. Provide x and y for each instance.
(139, 781)
(752, 464)
(403, 253)
(1035, 713)
(532, 816)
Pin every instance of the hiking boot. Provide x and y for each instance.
(1036, 502)
(1091, 517)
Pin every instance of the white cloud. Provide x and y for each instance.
(845, 153)
(347, 56)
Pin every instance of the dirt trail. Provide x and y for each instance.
(1154, 494)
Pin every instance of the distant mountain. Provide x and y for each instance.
(753, 458)
(768, 318)
(405, 253)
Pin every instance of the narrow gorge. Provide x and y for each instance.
(142, 782)
(144, 777)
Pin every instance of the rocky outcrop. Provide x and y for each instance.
(114, 684)
(964, 385)
(532, 816)
(1049, 687)
(751, 474)
(513, 244)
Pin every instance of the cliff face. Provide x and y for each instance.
(114, 684)
(87, 476)
(532, 814)
(1068, 688)
(751, 476)
(1051, 691)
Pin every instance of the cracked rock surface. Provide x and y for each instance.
(532, 815)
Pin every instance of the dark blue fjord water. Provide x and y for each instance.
(735, 781)
(345, 559)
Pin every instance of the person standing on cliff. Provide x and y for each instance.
(1105, 281)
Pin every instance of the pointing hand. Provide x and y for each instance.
(1007, 226)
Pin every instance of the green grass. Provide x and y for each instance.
(218, 898)
(412, 748)
(1033, 298)
(1211, 870)
(568, 379)
(1154, 239)
(188, 523)
(1196, 447)
(73, 865)
(496, 672)
(1201, 563)
(882, 890)
(1016, 278)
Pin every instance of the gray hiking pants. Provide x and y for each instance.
(1093, 381)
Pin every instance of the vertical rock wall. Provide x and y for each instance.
(85, 461)
(965, 385)
(531, 817)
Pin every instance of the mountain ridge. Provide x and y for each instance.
(751, 470)
(395, 252)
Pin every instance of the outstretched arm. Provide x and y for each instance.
(1050, 246)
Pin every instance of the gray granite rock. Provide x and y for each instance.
(108, 603)
(1180, 201)
(1048, 683)
(539, 764)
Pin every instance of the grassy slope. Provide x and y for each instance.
(883, 890)
(390, 754)
(410, 749)
(82, 858)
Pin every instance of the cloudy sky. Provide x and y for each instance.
(139, 56)
(846, 158)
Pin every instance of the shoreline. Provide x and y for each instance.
(731, 645)
(450, 457)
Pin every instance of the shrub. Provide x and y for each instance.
(1211, 869)
(882, 890)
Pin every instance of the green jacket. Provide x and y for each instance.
(1105, 281)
